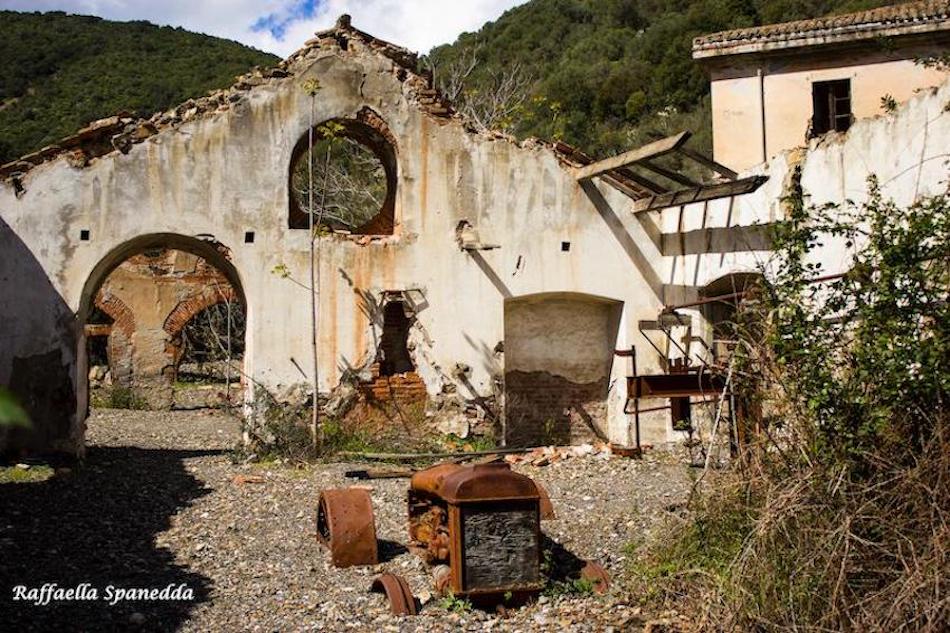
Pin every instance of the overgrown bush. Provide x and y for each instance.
(835, 516)
(368, 427)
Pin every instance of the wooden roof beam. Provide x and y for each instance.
(669, 174)
(651, 150)
(700, 194)
(709, 163)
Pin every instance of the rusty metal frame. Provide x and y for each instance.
(482, 488)
(595, 573)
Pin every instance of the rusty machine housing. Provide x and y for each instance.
(480, 526)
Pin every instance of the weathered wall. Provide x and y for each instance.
(38, 350)
(226, 174)
(558, 353)
(202, 184)
(906, 151)
(786, 85)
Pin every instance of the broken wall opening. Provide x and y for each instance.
(720, 313)
(559, 350)
(154, 299)
(394, 342)
(348, 178)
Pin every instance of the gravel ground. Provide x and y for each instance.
(157, 503)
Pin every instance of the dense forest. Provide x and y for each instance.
(61, 71)
(602, 74)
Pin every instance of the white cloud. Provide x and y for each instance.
(415, 24)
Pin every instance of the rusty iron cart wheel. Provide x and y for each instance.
(346, 525)
(596, 574)
(401, 600)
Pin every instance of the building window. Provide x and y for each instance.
(832, 106)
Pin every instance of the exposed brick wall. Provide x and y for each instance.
(184, 284)
(402, 388)
(182, 313)
(121, 315)
(541, 408)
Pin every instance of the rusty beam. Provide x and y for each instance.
(673, 385)
(98, 329)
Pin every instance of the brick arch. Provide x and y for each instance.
(121, 315)
(187, 309)
(370, 131)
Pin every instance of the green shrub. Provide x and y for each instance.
(832, 519)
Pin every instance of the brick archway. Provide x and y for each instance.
(187, 309)
(122, 317)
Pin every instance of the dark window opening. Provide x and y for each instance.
(249, 237)
(84, 235)
(98, 350)
(723, 314)
(394, 345)
(831, 101)
(98, 317)
(565, 246)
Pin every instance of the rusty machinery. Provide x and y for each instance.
(478, 526)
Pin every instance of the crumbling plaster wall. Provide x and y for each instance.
(217, 176)
(226, 174)
(906, 151)
(783, 80)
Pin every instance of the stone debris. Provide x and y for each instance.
(546, 455)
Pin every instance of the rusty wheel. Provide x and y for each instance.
(596, 574)
(547, 508)
(346, 525)
(401, 601)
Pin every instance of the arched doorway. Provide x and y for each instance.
(559, 351)
(140, 298)
(722, 297)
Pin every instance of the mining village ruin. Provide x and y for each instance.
(524, 289)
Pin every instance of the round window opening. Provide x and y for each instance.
(345, 179)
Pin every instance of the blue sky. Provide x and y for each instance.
(278, 22)
(282, 26)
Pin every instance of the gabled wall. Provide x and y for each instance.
(222, 175)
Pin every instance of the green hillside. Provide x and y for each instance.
(606, 74)
(61, 71)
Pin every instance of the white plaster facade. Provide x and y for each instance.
(222, 175)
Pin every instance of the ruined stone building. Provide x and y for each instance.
(143, 307)
(497, 279)
(776, 86)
